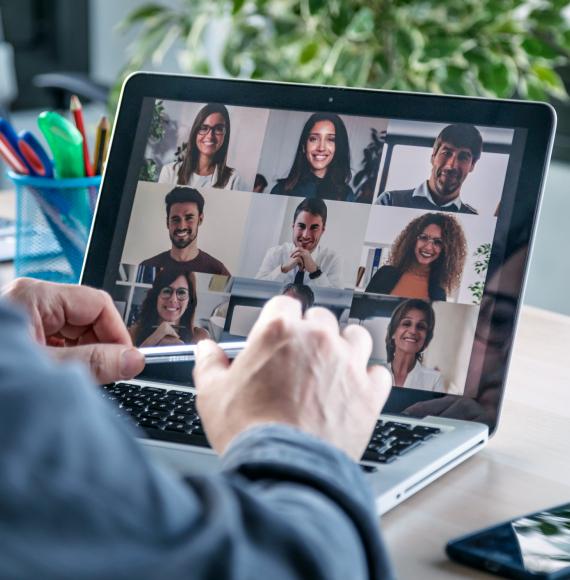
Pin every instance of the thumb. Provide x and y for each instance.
(107, 362)
(210, 361)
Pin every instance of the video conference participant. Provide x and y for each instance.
(409, 333)
(455, 153)
(184, 216)
(203, 162)
(321, 167)
(168, 312)
(302, 293)
(426, 260)
(303, 260)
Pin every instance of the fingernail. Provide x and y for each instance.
(132, 362)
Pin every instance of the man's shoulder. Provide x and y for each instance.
(469, 209)
(213, 265)
(395, 197)
(157, 260)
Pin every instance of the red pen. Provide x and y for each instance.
(77, 112)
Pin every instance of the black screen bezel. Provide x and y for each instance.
(538, 119)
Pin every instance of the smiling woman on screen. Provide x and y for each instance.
(426, 260)
(168, 312)
(409, 333)
(321, 167)
(203, 162)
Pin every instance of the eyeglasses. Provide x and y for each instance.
(181, 293)
(424, 239)
(218, 130)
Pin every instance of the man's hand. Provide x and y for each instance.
(294, 370)
(292, 263)
(81, 323)
(308, 264)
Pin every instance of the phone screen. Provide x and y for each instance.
(537, 544)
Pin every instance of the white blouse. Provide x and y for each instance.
(169, 174)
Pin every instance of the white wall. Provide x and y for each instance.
(220, 235)
(450, 348)
(263, 226)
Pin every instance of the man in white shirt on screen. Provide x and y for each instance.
(303, 260)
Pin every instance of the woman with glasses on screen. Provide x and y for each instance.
(168, 312)
(409, 333)
(321, 167)
(426, 260)
(204, 156)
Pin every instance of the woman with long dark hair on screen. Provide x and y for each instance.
(321, 167)
(204, 160)
(426, 259)
(409, 333)
(168, 312)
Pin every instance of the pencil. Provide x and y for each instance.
(77, 112)
(101, 141)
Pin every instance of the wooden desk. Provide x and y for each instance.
(525, 466)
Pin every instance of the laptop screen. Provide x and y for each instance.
(389, 222)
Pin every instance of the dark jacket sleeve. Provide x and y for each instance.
(384, 280)
(80, 499)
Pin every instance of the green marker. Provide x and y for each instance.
(65, 142)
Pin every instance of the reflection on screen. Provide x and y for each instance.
(544, 540)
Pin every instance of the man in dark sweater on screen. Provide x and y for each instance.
(184, 216)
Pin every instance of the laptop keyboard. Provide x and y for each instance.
(170, 415)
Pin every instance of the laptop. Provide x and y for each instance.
(409, 214)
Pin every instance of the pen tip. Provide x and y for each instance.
(74, 103)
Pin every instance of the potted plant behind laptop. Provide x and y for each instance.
(493, 51)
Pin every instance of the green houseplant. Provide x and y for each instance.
(498, 48)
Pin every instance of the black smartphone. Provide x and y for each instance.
(532, 546)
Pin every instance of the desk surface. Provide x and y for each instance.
(524, 468)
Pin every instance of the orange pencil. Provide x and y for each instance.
(77, 112)
(101, 142)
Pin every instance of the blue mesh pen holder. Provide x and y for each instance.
(53, 220)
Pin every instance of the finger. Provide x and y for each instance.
(279, 307)
(360, 342)
(83, 306)
(381, 382)
(323, 318)
(107, 362)
(210, 360)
